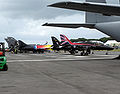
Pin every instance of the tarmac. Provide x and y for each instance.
(61, 73)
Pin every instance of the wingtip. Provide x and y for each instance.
(49, 5)
(58, 4)
(52, 5)
(45, 24)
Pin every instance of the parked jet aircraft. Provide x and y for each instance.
(33, 47)
(105, 17)
(85, 48)
(23, 47)
(66, 46)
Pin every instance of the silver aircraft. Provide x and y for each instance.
(99, 15)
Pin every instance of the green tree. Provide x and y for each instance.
(104, 39)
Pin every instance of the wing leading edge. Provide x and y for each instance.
(70, 25)
(105, 9)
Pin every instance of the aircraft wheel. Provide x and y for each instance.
(72, 52)
(25, 51)
(86, 53)
(106, 53)
(34, 52)
(42, 51)
(82, 54)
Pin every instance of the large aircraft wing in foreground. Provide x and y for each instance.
(102, 18)
(105, 9)
(92, 26)
(109, 28)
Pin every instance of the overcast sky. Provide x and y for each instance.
(22, 19)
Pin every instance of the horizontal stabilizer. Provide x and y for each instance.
(70, 25)
(105, 9)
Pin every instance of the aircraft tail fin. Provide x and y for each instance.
(65, 40)
(95, 17)
(99, 18)
(56, 42)
(12, 42)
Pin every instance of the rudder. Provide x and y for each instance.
(11, 42)
(56, 42)
(64, 40)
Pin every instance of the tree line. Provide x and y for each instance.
(104, 39)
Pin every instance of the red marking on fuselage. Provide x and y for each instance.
(64, 38)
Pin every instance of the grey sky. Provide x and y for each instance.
(22, 19)
(35, 9)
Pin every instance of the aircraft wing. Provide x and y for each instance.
(105, 9)
(70, 25)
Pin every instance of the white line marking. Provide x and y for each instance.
(39, 60)
(66, 59)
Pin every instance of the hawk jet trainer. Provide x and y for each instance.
(85, 48)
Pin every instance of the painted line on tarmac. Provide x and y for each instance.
(46, 60)
(39, 60)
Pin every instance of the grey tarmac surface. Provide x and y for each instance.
(54, 73)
